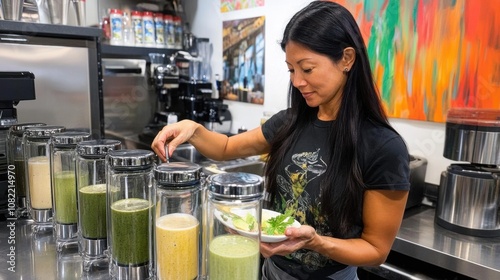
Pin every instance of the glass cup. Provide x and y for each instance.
(15, 157)
(178, 220)
(233, 250)
(130, 212)
(63, 177)
(91, 197)
(37, 164)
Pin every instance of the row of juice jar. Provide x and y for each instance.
(124, 209)
(146, 29)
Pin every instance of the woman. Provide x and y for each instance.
(333, 157)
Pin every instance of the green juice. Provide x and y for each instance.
(20, 179)
(92, 206)
(130, 229)
(65, 197)
(233, 257)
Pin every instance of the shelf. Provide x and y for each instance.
(49, 30)
(112, 51)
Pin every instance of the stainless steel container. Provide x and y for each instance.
(473, 135)
(469, 200)
(469, 194)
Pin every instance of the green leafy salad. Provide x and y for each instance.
(270, 226)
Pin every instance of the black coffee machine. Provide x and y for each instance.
(14, 87)
(183, 94)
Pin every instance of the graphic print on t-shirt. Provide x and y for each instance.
(305, 167)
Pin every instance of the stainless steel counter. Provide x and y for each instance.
(420, 238)
(35, 257)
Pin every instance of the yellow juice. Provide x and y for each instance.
(177, 243)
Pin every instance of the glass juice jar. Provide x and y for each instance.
(37, 164)
(130, 213)
(178, 220)
(63, 176)
(15, 157)
(91, 199)
(233, 253)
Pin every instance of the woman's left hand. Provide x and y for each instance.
(298, 238)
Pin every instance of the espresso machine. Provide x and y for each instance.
(469, 193)
(185, 91)
(14, 87)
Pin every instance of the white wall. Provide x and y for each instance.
(424, 139)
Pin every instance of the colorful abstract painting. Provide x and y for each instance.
(233, 5)
(432, 55)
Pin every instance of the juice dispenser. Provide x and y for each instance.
(130, 212)
(232, 252)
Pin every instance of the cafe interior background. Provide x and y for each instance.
(427, 57)
(431, 56)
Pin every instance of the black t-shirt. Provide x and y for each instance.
(384, 163)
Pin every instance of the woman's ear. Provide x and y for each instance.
(349, 58)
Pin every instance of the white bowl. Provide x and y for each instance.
(266, 215)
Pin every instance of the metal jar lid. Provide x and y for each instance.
(131, 159)
(97, 148)
(69, 138)
(43, 131)
(236, 185)
(178, 174)
(18, 129)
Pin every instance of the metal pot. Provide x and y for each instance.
(469, 200)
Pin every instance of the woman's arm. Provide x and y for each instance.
(211, 144)
(382, 215)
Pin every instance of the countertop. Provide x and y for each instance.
(419, 237)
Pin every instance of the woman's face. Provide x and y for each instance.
(320, 80)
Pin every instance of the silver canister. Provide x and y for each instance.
(469, 200)
(233, 250)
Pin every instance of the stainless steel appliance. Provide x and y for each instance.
(128, 99)
(184, 92)
(16, 86)
(469, 194)
(64, 61)
(418, 168)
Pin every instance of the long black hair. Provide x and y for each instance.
(328, 28)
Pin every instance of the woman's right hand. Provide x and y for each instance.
(173, 135)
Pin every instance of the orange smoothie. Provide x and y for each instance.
(177, 243)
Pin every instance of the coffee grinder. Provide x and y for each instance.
(195, 87)
(185, 92)
(165, 79)
(14, 87)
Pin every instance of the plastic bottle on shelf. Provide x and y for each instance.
(128, 30)
(149, 29)
(106, 29)
(116, 27)
(169, 31)
(178, 32)
(159, 30)
(138, 28)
